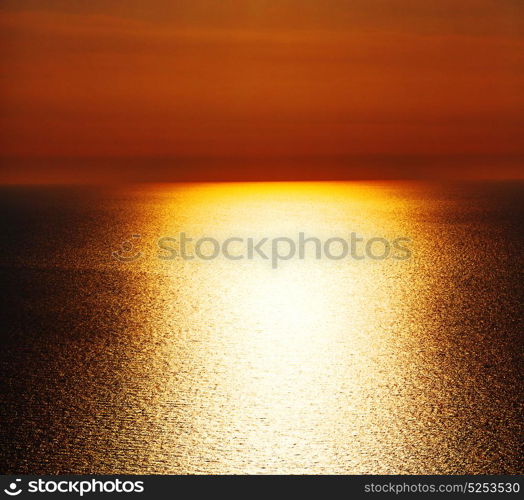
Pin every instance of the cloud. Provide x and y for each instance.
(473, 17)
(88, 84)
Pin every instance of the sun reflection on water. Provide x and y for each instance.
(294, 364)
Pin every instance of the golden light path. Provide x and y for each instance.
(288, 370)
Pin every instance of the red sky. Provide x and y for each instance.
(256, 80)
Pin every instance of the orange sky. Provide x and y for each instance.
(255, 79)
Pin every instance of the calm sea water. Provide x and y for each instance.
(221, 366)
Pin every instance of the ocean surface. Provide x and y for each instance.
(117, 359)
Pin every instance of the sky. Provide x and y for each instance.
(236, 83)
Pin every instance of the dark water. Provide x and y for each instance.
(217, 366)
